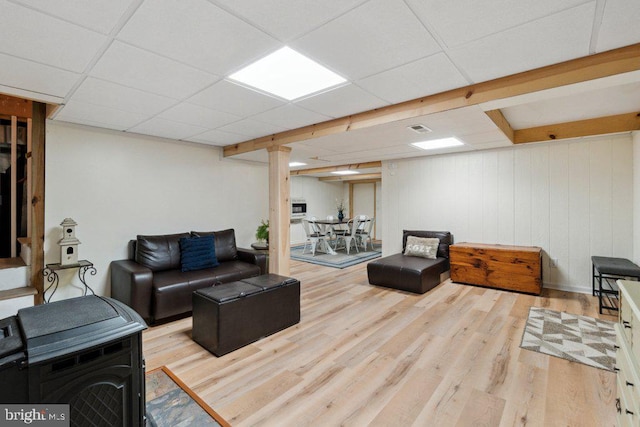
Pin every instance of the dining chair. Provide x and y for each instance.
(364, 233)
(350, 235)
(331, 231)
(313, 236)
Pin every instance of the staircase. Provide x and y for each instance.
(15, 292)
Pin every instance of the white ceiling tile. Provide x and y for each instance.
(197, 33)
(598, 103)
(232, 98)
(342, 101)
(423, 77)
(620, 24)
(290, 116)
(33, 35)
(134, 67)
(461, 21)
(95, 115)
(198, 116)
(107, 94)
(23, 74)
(217, 137)
(549, 40)
(377, 36)
(251, 128)
(167, 129)
(98, 15)
(287, 19)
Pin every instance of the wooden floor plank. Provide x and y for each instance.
(366, 355)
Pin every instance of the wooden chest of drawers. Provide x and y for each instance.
(514, 268)
(628, 355)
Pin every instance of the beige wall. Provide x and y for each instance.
(117, 185)
(572, 198)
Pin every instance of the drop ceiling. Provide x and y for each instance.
(159, 67)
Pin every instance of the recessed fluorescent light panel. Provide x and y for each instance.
(287, 74)
(296, 164)
(438, 143)
(346, 172)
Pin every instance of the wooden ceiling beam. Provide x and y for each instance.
(347, 178)
(500, 120)
(591, 67)
(598, 126)
(12, 106)
(353, 166)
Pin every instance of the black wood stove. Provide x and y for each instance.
(85, 352)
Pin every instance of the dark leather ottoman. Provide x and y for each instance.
(231, 315)
(407, 273)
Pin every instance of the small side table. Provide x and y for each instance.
(51, 273)
(606, 271)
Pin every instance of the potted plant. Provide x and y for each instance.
(262, 232)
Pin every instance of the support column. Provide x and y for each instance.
(37, 200)
(279, 209)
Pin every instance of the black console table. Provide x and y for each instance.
(51, 273)
(606, 271)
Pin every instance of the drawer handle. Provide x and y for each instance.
(626, 324)
(628, 412)
(618, 407)
(629, 384)
(616, 346)
(616, 369)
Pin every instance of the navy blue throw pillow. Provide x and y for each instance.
(197, 253)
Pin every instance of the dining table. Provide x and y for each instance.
(340, 225)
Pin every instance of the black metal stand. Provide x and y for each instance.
(51, 273)
(605, 276)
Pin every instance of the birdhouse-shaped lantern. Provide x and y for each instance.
(69, 243)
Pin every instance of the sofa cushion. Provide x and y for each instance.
(197, 253)
(225, 243)
(425, 247)
(231, 271)
(445, 240)
(159, 252)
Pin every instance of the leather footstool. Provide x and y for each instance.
(406, 273)
(231, 315)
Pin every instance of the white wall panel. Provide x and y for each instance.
(636, 198)
(622, 199)
(558, 215)
(522, 196)
(505, 205)
(490, 198)
(551, 195)
(540, 220)
(579, 215)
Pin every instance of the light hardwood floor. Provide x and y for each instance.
(364, 355)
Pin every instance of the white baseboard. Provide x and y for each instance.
(568, 288)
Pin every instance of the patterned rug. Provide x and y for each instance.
(171, 403)
(576, 338)
(339, 260)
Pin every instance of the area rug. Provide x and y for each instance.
(580, 339)
(339, 260)
(171, 403)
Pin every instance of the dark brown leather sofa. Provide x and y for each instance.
(410, 273)
(152, 283)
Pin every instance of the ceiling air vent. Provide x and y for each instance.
(419, 128)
